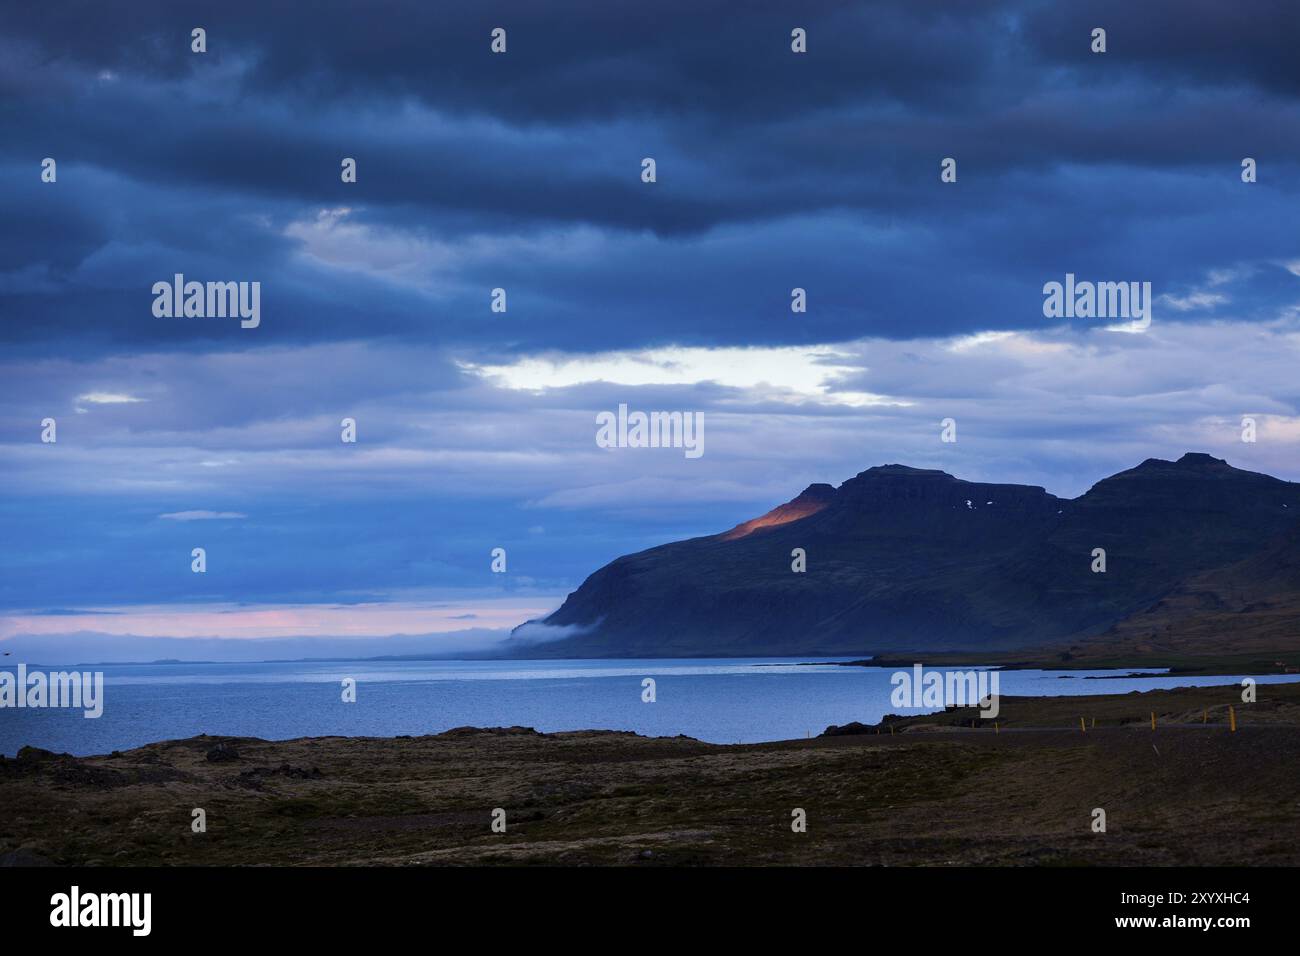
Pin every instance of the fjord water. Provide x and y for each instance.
(717, 700)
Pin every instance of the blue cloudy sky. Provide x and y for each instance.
(522, 171)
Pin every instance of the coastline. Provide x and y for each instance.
(1173, 664)
(934, 791)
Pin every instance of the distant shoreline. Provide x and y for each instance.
(1261, 664)
(1251, 664)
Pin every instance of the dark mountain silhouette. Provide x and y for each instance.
(902, 558)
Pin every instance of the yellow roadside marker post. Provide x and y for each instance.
(1232, 719)
(1153, 720)
(1082, 728)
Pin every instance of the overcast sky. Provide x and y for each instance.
(522, 171)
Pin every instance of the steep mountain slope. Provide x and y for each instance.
(905, 558)
(1252, 606)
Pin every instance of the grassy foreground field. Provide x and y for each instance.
(924, 791)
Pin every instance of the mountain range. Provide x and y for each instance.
(901, 558)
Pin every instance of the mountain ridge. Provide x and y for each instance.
(918, 559)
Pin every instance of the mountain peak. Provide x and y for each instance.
(1191, 459)
(904, 470)
(1192, 465)
(818, 489)
(1201, 459)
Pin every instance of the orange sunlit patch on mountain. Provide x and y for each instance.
(793, 511)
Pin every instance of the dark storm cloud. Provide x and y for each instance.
(521, 171)
(574, 59)
(1172, 42)
(568, 60)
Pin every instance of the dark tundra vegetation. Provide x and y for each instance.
(917, 791)
(1201, 560)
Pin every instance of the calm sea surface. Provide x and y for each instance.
(722, 701)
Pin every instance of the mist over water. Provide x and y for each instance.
(716, 700)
